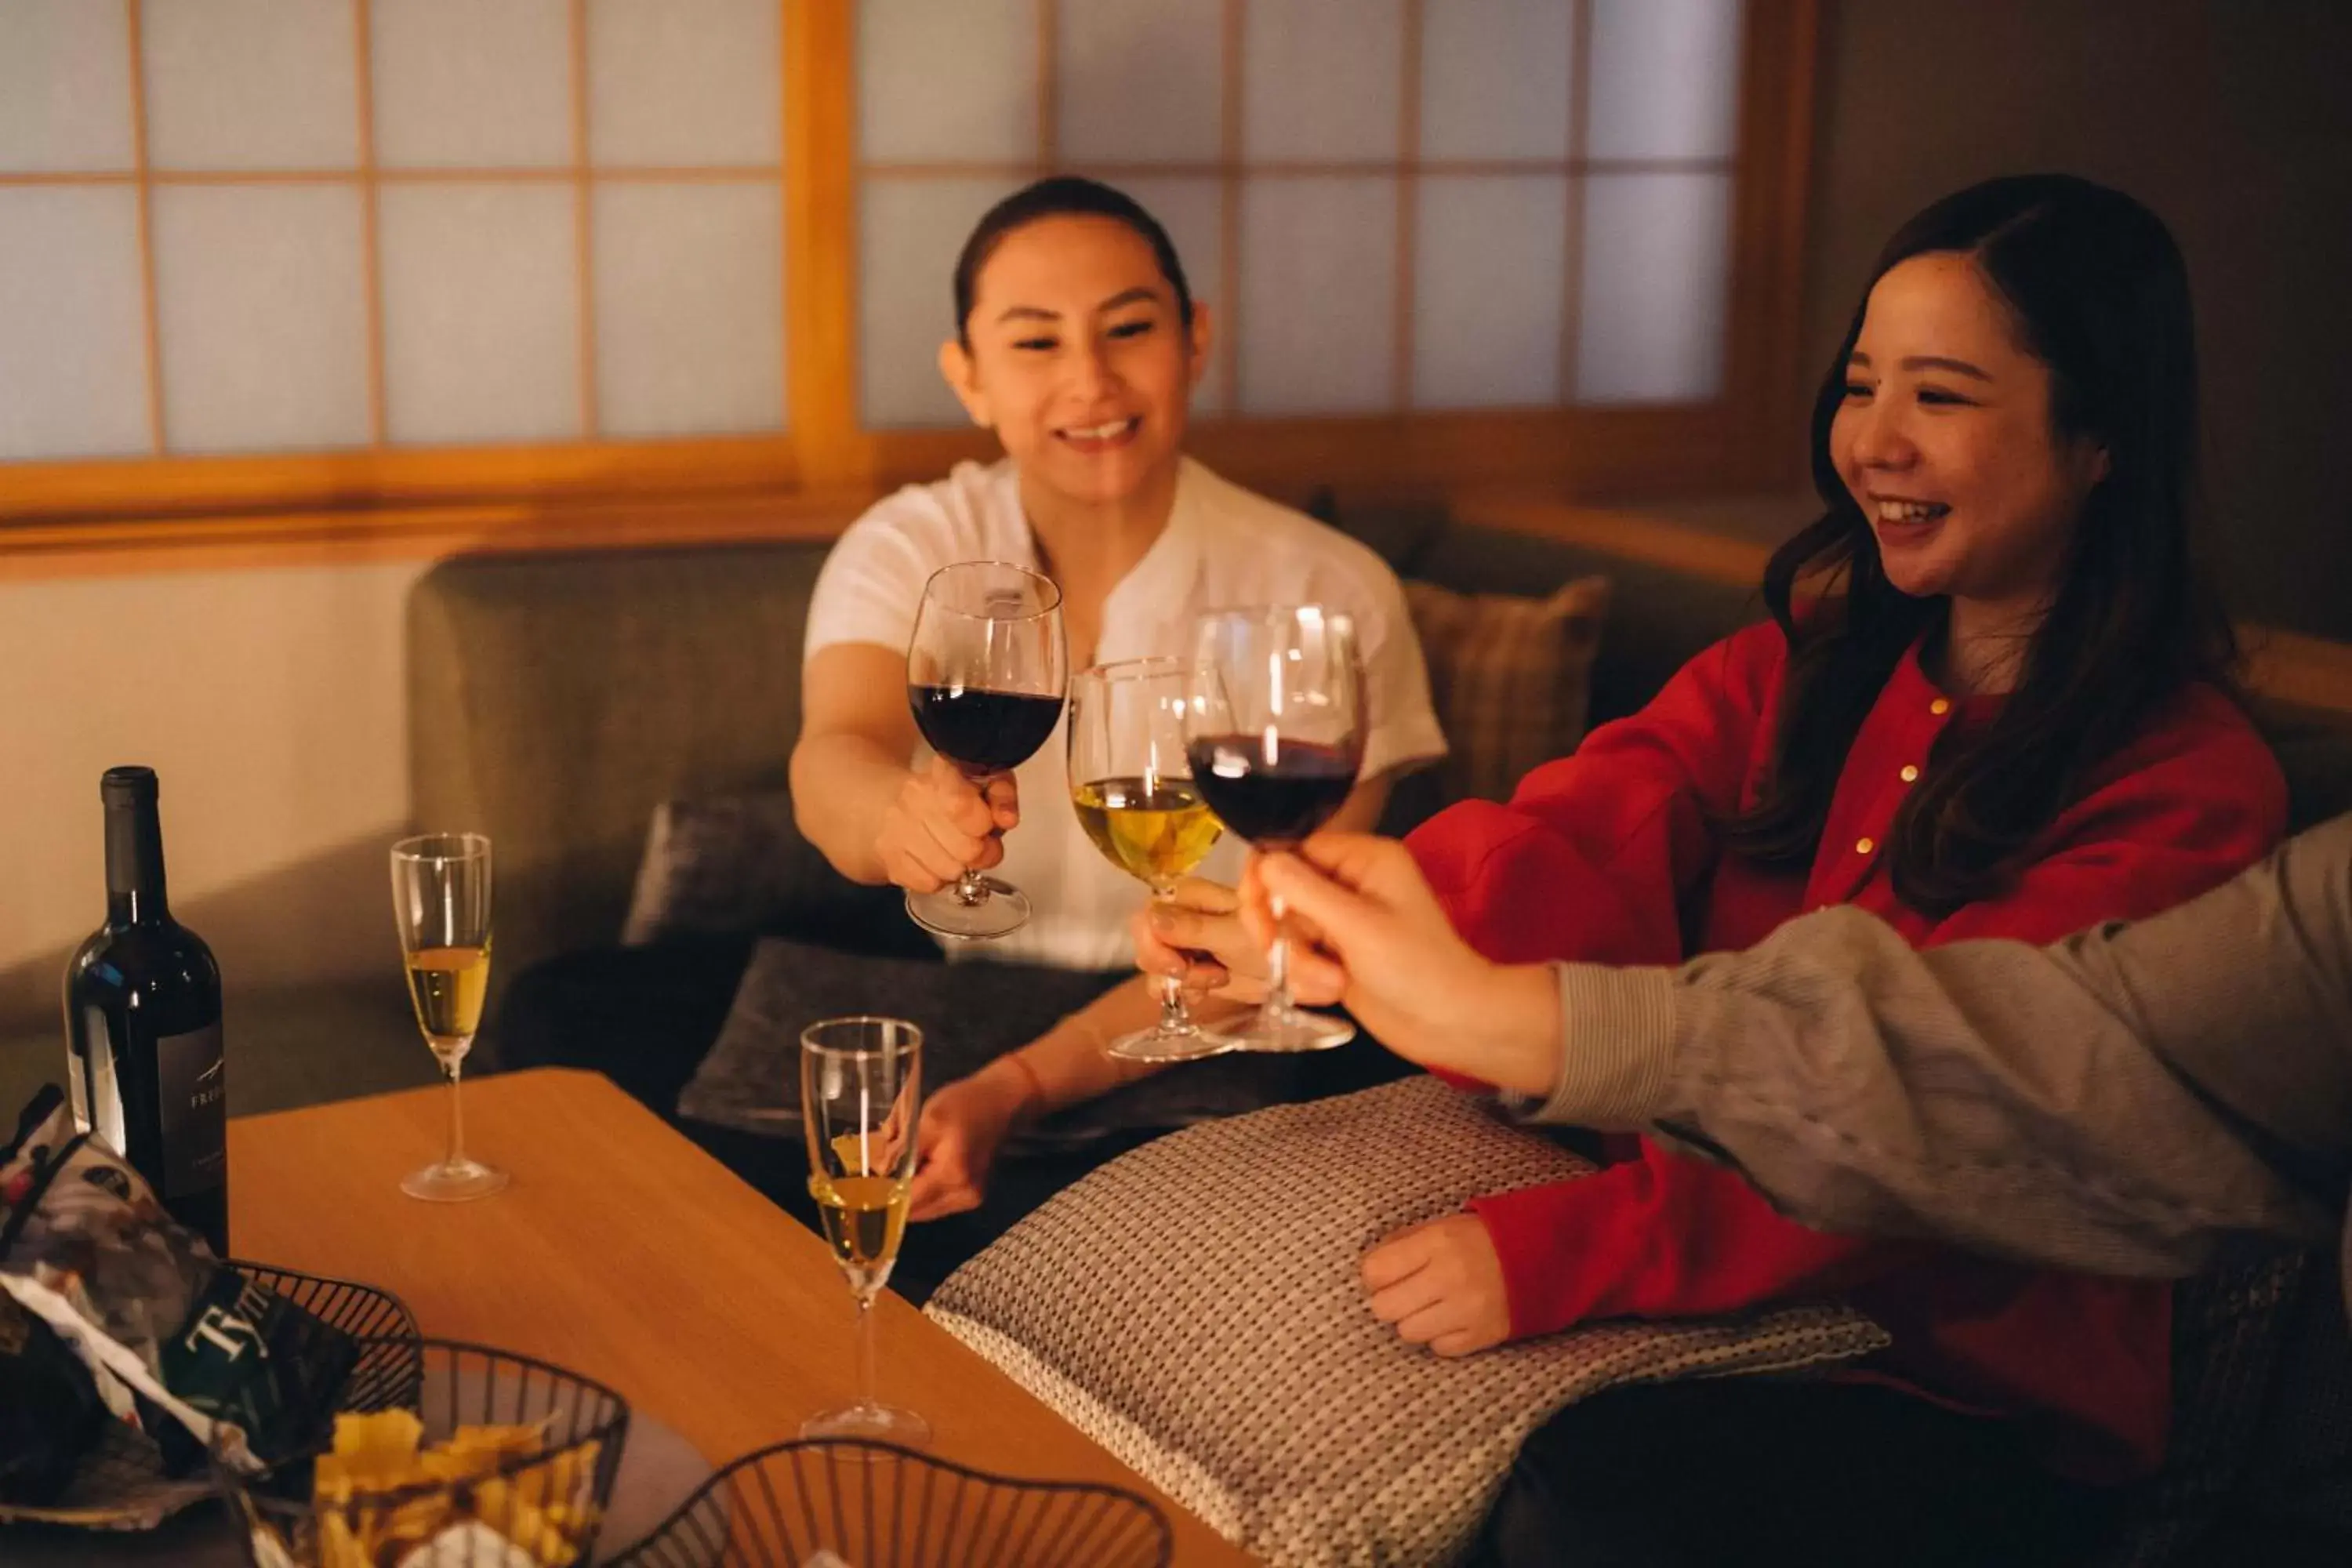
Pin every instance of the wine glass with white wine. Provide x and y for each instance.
(1133, 789)
(861, 1097)
(441, 901)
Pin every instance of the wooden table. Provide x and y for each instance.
(625, 1253)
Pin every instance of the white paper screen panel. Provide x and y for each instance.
(676, 83)
(1140, 81)
(65, 87)
(1321, 79)
(1494, 78)
(689, 307)
(481, 313)
(947, 81)
(1489, 257)
(1318, 312)
(73, 371)
(462, 84)
(261, 315)
(1657, 304)
(251, 84)
(1666, 78)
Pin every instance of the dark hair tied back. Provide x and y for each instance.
(1062, 195)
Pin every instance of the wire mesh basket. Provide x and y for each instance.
(479, 1458)
(847, 1503)
(121, 1484)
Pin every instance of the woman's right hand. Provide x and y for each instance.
(943, 824)
(1367, 931)
(962, 1127)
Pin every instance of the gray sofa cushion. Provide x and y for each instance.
(970, 1015)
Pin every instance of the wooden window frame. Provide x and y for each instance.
(811, 476)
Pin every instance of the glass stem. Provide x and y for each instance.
(969, 891)
(866, 1398)
(1278, 963)
(1174, 1017)
(453, 1064)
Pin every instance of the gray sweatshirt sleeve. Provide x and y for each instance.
(2118, 1102)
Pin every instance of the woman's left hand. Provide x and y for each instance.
(1441, 1284)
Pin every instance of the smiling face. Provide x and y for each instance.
(1945, 441)
(1078, 359)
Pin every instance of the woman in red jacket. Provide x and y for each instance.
(1989, 702)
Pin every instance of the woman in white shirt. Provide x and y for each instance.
(1078, 342)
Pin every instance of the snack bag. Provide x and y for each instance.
(178, 1344)
(50, 1414)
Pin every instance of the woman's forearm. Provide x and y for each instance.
(843, 786)
(1066, 1064)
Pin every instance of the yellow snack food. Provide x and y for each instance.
(542, 1510)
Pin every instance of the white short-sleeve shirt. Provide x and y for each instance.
(1222, 546)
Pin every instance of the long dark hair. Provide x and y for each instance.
(2097, 291)
(1062, 195)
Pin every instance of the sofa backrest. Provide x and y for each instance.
(554, 701)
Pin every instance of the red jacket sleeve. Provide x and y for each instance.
(1670, 1235)
(1596, 850)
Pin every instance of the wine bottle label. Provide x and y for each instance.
(191, 1092)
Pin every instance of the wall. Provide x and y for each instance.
(270, 703)
(2231, 118)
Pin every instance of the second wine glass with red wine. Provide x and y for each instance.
(1273, 729)
(986, 669)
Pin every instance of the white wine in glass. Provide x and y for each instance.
(861, 1098)
(441, 902)
(1133, 790)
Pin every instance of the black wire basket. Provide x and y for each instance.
(541, 1501)
(121, 1485)
(876, 1505)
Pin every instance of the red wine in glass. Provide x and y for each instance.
(986, 669)
(984, 731)
(1274, 734)
(1272, 796)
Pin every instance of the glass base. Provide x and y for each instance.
(1000, 908)
(1277, 1028)
(1161, 1044)
(879, 1423)
(445, 1181)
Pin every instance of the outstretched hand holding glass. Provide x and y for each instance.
(985, 672)
(1274, 729)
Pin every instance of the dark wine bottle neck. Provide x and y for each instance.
(134, 865)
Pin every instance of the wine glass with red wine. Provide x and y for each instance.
(985, 673)
(1273, 729)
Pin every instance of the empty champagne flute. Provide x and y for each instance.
(861, 1097)
(985, 669)
(1274, 729)
(1133, 789)
(441, 901)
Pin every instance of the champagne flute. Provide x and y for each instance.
(1132, 785)
(985, 669)
(1274, 727)
(861, 1097)
(441, 900)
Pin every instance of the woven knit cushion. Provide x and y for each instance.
(1195, 1307)
(1510, 678)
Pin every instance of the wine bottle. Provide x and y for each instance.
(143, 1025)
